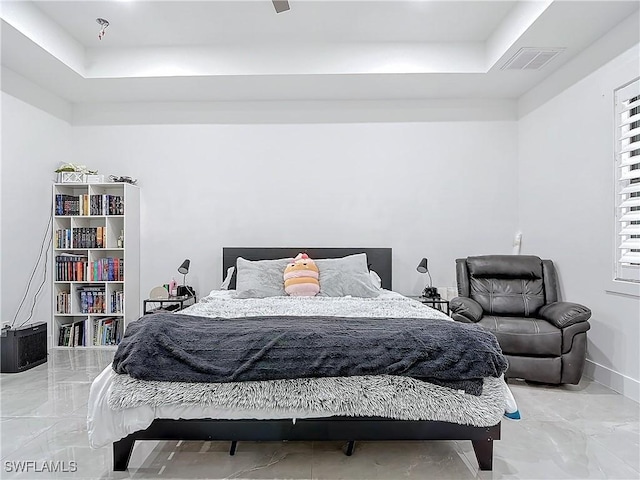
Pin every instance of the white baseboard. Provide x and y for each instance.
(627, 386)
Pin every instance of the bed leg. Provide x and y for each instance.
(234, 445)
(122, 450)
(484, 453)
(351, 445)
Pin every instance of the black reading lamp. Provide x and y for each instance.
(430, 291)
(184, 269)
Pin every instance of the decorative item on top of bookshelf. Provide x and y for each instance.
(117, 179)
(93, 178)
(70, 177)
(71, 173)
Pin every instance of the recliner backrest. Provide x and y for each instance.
(507, 284)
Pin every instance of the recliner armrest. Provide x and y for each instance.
(465, 309)
(563, 314)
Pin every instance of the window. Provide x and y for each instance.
(627, 137)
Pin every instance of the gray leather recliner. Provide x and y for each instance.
(517, 298)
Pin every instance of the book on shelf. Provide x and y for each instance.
(63, 335)
(89, 237)
(107, 270)
(86, 205)
(63, 238)
(63, 304)
(67, 204)
(117, 301)
(92, 299)
(71, 267)
(73, 334)
(106, 204)
(107, 331)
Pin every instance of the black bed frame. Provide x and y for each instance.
(347, 429)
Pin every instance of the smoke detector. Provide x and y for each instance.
(530, 58)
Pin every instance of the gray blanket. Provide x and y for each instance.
(184, 348)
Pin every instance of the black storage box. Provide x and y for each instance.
(23, 348)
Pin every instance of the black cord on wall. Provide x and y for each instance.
(33, 273)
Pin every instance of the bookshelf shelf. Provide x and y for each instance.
(106, 249)
(88, 216)
(88, 281)
(96, 263)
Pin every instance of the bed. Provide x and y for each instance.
(126, 419)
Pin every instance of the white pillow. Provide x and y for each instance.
(346, 276)
(260, 278)
(227, 279)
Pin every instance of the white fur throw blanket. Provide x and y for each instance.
(396, 397)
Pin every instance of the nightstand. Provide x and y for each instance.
(173, 304)
(437, 303)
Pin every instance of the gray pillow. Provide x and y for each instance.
(260, 278)
(349, 275)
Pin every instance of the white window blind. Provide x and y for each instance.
(627, 255)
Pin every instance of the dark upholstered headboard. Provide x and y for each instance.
(379, 258)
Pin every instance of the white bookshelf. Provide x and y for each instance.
(96, 262)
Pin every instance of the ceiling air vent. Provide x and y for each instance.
(531, 58)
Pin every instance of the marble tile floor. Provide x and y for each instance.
(570, 432)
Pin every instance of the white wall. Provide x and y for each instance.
(33, 145)
(434, 189)
(566, 212)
